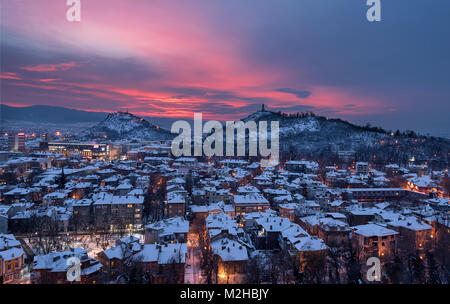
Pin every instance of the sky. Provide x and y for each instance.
(224, 58)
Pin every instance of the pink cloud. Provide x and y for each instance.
(12, 76)
(49, 79)
(50, 67)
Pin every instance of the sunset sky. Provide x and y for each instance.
(169, 58)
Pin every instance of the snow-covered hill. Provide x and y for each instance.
(316, 135)
(121, 125)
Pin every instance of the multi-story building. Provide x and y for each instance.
(362, 168)
(414, 235)
(87, 150)
(16, 142)
(82, 214)
(118, 213)
(372, 240)
(374, 194)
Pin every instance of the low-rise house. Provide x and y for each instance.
(287, 210)
(171, 261)
(53, 268)
(422, 184)
(357, 215)
(271, 193)
(310, 251)
(247, 189)
(18, 194)
(232, 260)
(334, 232)
(222, 224)
(198, 196)
(338, 206)
(11, 259)
(164, 263)
(54, 198)
(114, 258)
(270, 228)
(124, 188)
(175, 204)
(80, 190)
(295, 166)
(372, 240)
(174, 229)
(248, 203)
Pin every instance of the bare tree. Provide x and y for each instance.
(353, 267)
(209, 261)
(255, 270)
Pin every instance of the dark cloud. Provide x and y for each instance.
(298, 93)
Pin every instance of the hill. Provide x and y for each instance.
(122, 125)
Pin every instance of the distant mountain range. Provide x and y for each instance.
(39, 114)
(49, 114)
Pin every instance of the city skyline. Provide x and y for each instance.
(226, 58)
